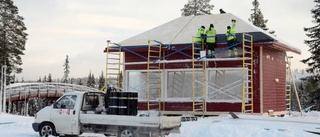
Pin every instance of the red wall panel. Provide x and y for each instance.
(273, 68)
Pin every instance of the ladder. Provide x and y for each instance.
(198, 80)
(154, 77)
(247, 73)
(288, 84)
(113, 57)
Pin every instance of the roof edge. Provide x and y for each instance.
(287, 48)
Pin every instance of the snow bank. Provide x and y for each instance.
(248, 126)
(222, 126)
(16, 126)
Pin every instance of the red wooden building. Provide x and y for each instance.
(163, 65)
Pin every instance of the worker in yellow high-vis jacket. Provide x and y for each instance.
(200, 39)
(211, 40)
(231, 37)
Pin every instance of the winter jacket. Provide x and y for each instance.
(231, 32)
(211, 35)
(199, 35)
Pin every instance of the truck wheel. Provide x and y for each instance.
(126, 132)
(47, 129)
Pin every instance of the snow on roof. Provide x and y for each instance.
(181, 30)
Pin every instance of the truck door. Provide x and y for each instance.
(62, 114)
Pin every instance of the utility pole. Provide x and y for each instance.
(1, 84)
(3, 89)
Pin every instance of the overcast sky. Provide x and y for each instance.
(80, 28)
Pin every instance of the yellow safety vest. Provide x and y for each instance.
(231, 32)
(199, 34)
(211, 35)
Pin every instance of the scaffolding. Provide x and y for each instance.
(155, 60)
(247, 73)
(154, 76)
(198, 77)
(288, 84)
(113, 59)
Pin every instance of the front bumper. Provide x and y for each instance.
(35, 126)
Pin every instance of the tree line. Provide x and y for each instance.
(89, 81)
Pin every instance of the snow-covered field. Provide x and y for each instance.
(222, 126)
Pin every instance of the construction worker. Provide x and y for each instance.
(200, 39)
(211, 40)
(222, 11)
(231, 37)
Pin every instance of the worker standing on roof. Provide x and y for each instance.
(231, 37)
(200, 39)
(211, 40)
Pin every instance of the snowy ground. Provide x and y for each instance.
(222, 126)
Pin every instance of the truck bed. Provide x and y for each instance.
(161, 122)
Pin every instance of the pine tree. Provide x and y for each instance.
(80, 81)
(314, 41)
(101, 81)
(66, 70)
(49, 78)
(313, 61)
(45, 79)
(12, 37)
(120, 79)
(90, 80)
(197, 7)
(93, 81)
(12, 80)
(311, 91)
(39, 80)
(257, 18)
(72, 80)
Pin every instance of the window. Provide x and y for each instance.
(225, 85)
(92, 100)
(137, 82)
(66, 102)
(180, 84)
(221, 84)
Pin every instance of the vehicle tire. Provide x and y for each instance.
(127, 132)
(47, 129)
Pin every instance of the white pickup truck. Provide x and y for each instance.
(73, 114)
